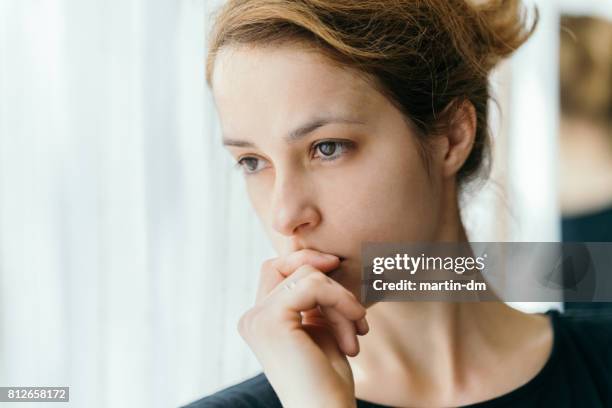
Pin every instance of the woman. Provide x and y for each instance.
(361, 120)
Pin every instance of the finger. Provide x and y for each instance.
(300, 273)
(322, 261)
(315, 316)
(362, 326)
(316, 289)
(344, 330)
(276, 270)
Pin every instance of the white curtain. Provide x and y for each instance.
(128, 249)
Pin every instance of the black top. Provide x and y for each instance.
(578, 373)
(595, 226)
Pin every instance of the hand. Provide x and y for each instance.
(301, 336)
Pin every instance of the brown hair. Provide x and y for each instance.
(424, 55)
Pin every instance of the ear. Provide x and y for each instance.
(459, 138)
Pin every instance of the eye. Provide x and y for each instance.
(332, 149)
(328, 150)
(250, 165)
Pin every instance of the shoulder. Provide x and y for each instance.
(254, 392)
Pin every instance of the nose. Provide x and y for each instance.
(293, 206)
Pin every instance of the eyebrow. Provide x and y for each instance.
(298, 133)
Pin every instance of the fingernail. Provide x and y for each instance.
(365, 325)
(360, 326)
(330, 257)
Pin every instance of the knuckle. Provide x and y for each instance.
(307, 284)
(316, 279)
(268, 267)
(308, 268)
(268, 264)
(244, 322)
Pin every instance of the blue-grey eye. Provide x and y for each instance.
(332, 149)
(249, 165)
(327, 148)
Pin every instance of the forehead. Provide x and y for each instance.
(278, 86)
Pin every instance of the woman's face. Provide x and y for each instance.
(329, 162)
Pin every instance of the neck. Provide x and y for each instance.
(431, 345)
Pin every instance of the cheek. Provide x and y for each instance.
(259, 188)
(259, 192)
(259, 197)
(390, 199)
(256, 195)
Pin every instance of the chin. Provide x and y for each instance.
(351, 280)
